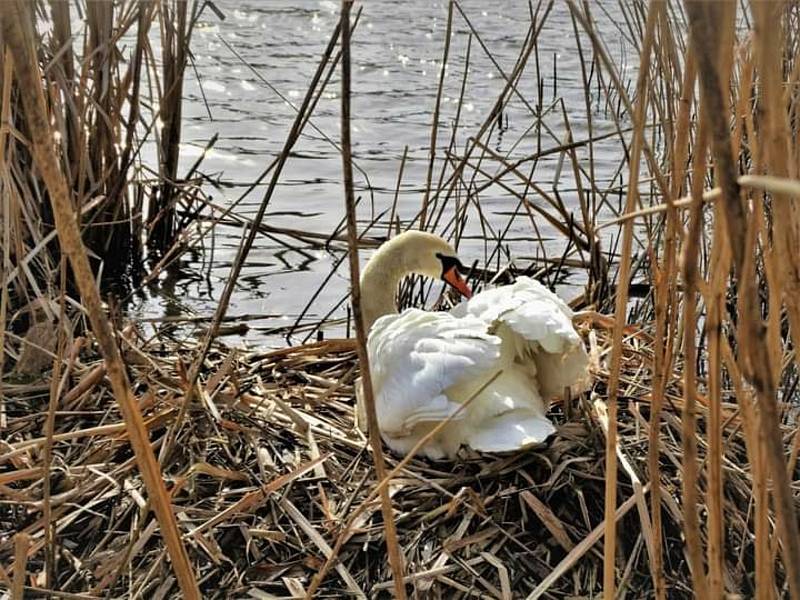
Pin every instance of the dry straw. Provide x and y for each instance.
(265, 487)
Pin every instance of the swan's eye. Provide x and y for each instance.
(450, 262)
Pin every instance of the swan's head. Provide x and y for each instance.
(410, 252)
(429, 255)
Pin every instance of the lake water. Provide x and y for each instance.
(251, 67)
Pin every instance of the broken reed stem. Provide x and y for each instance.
(18, 32)
(703, 21)
(620, 313)
(777, 186)
(435, 124)
(22, 542)
(392, 544)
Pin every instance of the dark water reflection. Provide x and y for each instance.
(396, 59)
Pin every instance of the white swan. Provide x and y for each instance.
(425, 365)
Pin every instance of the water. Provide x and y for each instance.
(397, 52)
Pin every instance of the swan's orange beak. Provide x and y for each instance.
(454, 279)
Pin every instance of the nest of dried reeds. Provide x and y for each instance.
(269, 467)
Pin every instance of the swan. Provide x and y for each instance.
(426, 365)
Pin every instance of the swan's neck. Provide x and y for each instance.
(379, 282)
(410, 252)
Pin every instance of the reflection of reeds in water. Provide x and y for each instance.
(695, 405)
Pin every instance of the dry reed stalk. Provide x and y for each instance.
(719, 268)
(62, 37)
(666, 311)
(55, 394)
(773, 154)
(770, 272)
(757, 367)
(691, 250)
(777, 135)
(393, 213)
(22, 542)
(393, 547)
(145, 18)
(5, 224)
(620, 314)
(175, 34)
(18, 33)
(764, 565)
(423, 217)
(716, 535)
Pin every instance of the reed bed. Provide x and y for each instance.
(675, 476)
(270, 465)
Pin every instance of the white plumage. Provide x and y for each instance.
(426, 365)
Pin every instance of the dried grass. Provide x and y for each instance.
(269, 483)
(270, 464)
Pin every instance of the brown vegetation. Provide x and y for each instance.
(262, 479)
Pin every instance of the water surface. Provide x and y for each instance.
(253, 67)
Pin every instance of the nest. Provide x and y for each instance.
(269, 465)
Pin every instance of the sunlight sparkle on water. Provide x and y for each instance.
(213, 86)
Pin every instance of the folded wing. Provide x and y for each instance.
(543, 326)
(414, 358)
